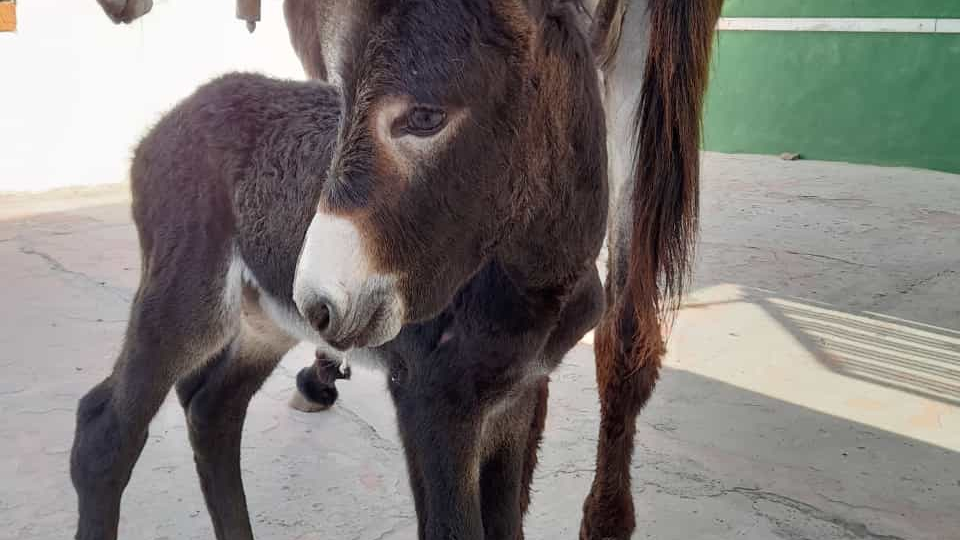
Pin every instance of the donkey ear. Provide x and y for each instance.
(540, 8)
(575, 14)
(605, 29)
(306, 24)
(569, 17)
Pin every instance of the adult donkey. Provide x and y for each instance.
(463, 171)
(654, 174)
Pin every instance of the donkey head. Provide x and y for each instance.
(430, 170)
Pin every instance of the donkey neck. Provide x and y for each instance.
(561, 192)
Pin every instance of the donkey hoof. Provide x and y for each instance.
(588, 532)
(313, 393)
(606, 522)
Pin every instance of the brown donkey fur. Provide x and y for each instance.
(487, 312)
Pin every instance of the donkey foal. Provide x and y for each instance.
(222, 190)
(448, 221)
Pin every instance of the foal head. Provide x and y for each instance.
(432, 170)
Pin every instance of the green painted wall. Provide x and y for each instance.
(891, 99)
(842, 8)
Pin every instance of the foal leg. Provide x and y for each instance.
(625, 387)
(113, 417)
(215, 400)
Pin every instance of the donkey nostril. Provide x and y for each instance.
(319, 317)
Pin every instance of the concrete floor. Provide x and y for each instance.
(812, 389)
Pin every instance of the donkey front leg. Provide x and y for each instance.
(414, 343)
(449, 401)
(441, 436)
(471, 475)
(215, 400)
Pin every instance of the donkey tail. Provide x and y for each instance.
(650, 263)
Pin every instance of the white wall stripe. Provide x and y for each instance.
(948, 26)
(877, 25)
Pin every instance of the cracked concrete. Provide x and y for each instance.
(812, 389)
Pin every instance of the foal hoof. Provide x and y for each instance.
(316, 384)
(300, 403)
(313, 394)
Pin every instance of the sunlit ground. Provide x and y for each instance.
(889, 373)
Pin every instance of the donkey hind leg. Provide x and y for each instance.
(500, 520)
(112, 418)
(509, 463)
(532, 447)
(608, 511)
(215, 399)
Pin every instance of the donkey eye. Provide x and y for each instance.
(425, 121)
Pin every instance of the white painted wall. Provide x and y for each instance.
(78, 92)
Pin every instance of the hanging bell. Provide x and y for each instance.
(249, 10)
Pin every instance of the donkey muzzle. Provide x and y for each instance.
(369, 316)
(345, 302)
